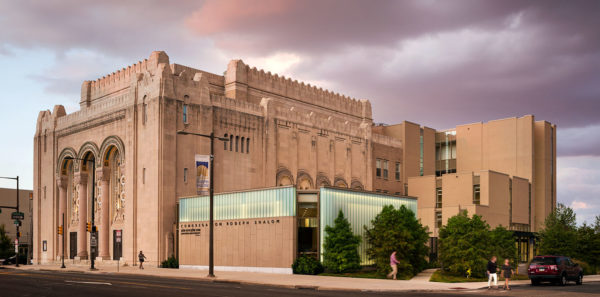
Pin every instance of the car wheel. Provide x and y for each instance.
(580, 279)
(563, 280)
(535, 282)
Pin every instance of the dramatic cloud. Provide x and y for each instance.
(434, 62)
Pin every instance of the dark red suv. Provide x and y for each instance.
(556, 269)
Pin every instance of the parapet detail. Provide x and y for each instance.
(120, 79)
(238, 72)
(386, 140)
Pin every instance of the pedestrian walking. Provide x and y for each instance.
(492, 272)
(394, 263)
(508, 272)
(141, 257)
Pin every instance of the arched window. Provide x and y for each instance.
(247, 145)
(237, 143)
(230, 142)
(225, 142)
(242, 145)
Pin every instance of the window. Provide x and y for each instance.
(438, 198)
(225, 142)
(237, 143)
(405, 189)
(438, 219)
(144, 176)
(476, 194)
(230, 143)
(185, 113)
(242, 145)
(378, 165)
(185, 175)
(144, 113)
(397, 171)
(247, 145)
(385, 169)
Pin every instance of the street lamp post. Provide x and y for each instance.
(211, 264)
(17, 209)
(93, 231)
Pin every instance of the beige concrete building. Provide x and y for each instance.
(280, 132)
(503, 170)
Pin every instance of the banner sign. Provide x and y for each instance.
(202, 174)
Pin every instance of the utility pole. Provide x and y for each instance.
(17, 216)
(211, 263)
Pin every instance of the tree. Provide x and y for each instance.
(6, 247)
(588, 244)
(340, 249)
(397, 230)
(466, 243)
(559, 235)
(503, 244)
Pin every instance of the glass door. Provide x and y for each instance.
(308, 224)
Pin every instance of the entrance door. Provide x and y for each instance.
(308, 224)
(72, 245)
(117, 244)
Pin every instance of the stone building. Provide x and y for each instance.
(280, 132)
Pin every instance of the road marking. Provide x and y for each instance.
(88, 283)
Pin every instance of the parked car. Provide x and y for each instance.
(555, 269)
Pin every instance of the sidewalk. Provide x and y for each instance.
(418, 283)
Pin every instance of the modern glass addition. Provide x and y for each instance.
(359, 208)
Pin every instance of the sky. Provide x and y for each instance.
(435, 62)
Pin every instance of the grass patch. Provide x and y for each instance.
(362, 274)
(445, 277)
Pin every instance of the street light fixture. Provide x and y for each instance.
(19, 223)
(211, 264)
(93, 231)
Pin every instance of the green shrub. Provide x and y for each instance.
(307, 265)
(340, 249)
(170, 263)
(397, 230)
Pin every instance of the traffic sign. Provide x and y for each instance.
(18, 223)
(17, 215)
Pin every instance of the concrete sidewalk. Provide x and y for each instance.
(418, 283)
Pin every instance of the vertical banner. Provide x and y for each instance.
(202, 174)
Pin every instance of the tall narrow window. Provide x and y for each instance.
(185, 113)
(247, 145)
(144, 176)
(398, 171)
(438, 219)
(385, 169)
(378, 166)
(230, 143)
(225, 142)
(242, 145)
(144, 113)
(185, 175)
(438, 198)
(237, 143)
(476, 194)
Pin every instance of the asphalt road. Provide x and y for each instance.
(15, 283)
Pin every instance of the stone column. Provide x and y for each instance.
(103, 176)
(62, 184)
(81, 179)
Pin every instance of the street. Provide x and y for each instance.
(52, 283)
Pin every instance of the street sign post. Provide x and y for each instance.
(17, 215)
